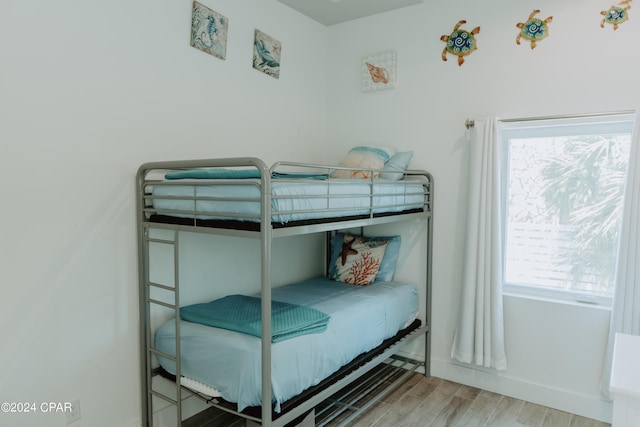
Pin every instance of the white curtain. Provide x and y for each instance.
(625, 316)
(479, 337)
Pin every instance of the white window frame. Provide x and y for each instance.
(549, 127)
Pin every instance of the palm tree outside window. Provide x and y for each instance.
(563, 194)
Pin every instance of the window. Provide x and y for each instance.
(563, 191)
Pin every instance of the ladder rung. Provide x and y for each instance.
(165, 287)
(160, 353)
(162, 396)
(155, 301)
(163, 241)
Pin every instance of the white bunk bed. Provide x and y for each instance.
(244, 197)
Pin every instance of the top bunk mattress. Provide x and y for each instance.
(291, 199)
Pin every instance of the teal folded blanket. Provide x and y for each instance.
(299, 175)
(214, 173)
(221, 173)
(243, 314)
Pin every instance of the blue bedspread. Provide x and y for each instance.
(242, 313)
(361, 318)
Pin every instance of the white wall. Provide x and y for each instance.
(555, 351)
(89, 91)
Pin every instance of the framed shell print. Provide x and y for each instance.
(379, 71)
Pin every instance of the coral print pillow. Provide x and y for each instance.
(359, 260)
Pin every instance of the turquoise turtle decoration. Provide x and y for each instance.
(534, 29)
(616, 15)
(460, 42)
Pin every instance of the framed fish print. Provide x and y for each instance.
(379, 71)
(209, 31)
(266, 54)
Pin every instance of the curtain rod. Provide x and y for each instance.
(469, 123)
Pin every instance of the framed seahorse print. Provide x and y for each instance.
(209, 31)
(379, 71)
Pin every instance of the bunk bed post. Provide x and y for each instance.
(176, 296)
(142, 297)
(266, 235)
(427, 346)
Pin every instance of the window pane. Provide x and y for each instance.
(564, 207)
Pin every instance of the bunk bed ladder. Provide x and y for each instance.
(150, 350)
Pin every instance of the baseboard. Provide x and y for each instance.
(590, 406)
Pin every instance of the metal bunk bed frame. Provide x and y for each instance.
(266, 234)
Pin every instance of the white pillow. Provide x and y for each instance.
(365, 158)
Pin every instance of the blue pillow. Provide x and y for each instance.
(399, 162)
(389, 261)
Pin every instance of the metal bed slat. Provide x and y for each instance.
(274, 196)
(199, 214)
(367, 367)
(350, 400)
(204, 198)
(357, 223)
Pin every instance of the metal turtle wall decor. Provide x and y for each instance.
(534, 29)
(460, 42)
(616, 15)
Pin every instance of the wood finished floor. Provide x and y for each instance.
(433, 402)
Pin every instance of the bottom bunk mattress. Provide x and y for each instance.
(361, 317)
